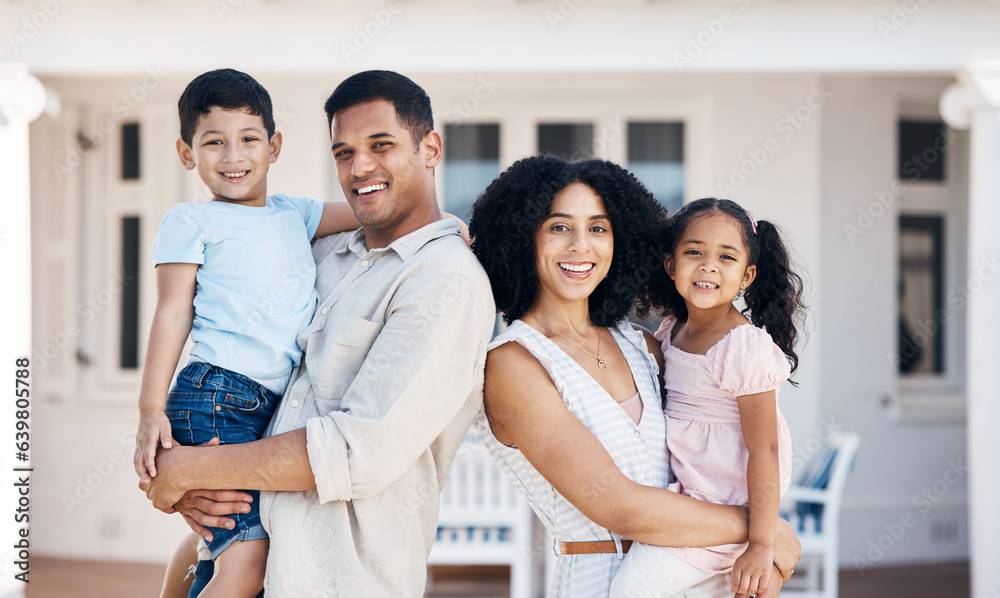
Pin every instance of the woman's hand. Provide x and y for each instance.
(787, 550)
(752, 570)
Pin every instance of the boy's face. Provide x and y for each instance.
(232, 153)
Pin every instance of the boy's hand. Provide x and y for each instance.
(154, 427)
(752, 570)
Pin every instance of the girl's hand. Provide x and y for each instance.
(773, 589)
(752, 570)
(154, 427)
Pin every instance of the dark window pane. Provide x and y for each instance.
(922, 149)
(130, 294)
(130, 151)
(656, 157)
(472, 161)
(570, 141)
(921, 291)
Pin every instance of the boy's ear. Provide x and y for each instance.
(668, 265)
(748, 276)
(186, 154)
(431, 147)
(274, 147)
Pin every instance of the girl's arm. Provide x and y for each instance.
(338, 217)
(175, 285)
(759, 420)
(525, 409)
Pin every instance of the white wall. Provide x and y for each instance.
(897, 460)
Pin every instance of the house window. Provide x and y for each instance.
(129, 342)
(567, 141)
(656, 157)
(130, 151)
(472, 161)
(922, 150)
(922, 319)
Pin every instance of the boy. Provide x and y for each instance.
(237, 273)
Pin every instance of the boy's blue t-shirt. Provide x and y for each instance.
(255, 284)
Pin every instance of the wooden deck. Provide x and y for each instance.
(56, 578)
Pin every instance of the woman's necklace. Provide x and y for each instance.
(600, 362)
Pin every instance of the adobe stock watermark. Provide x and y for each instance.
(563, 12)
(712, 30)
(365, 34)
(913, 167)
(87, 311)
(957, 298)
(31, 25)
(923, 501)
(483, 91)
(828, 429)
(121, 108)
(786, 128)
(899, 17)
(84, 486)
(224, 7)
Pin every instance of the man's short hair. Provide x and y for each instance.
(413, 107)
(228, 89)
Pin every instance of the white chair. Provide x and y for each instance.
(812, 506)
(484, 520)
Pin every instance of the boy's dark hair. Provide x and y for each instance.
(507, 214)
(413, 107)
(228, 89)
(773, 300)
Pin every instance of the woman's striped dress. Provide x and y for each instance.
(639, 451)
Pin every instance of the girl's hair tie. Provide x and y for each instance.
(753, 225)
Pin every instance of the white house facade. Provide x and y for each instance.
(869, 130)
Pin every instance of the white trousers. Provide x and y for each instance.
(652, 572)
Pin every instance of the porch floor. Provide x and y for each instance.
(57, 578)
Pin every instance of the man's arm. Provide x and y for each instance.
(275, 463)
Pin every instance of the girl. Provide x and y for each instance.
(728, 442)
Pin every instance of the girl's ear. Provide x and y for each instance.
(748, 276)
(668, 265)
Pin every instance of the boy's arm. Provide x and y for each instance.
(338, 217)
(175, 286)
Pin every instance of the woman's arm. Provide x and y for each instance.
(525, 409)
(175, 286)
(759, 420)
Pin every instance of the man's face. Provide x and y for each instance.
(387, 179)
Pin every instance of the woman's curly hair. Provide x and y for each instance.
(774, 299)
(507, 215)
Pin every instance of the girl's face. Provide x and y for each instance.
(709, 264)
(574, 244)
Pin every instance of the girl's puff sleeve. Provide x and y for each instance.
(747, 362)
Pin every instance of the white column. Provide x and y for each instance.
(22, 98)
(974, 103)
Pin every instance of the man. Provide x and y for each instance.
(390, 381)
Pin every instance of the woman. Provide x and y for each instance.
(572, 394)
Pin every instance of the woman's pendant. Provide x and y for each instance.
(602, 364)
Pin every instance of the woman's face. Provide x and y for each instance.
(573, 245)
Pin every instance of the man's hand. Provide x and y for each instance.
(787, 550)
(165, 490)
(203, 509)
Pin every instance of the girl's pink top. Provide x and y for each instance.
(704, 436)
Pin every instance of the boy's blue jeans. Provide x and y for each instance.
(211, 402)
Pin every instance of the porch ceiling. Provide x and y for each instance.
(90, 37)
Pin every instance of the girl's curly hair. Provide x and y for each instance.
(506, 216)
(774, 299)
